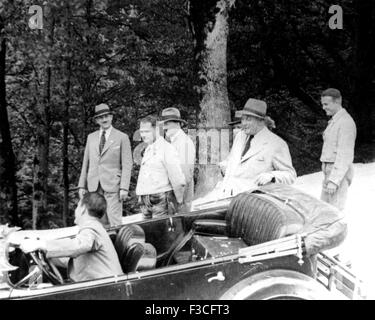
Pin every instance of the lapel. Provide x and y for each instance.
(146, 155)
(257, 145)
(96, 141)
(109, 142)
(150, 151)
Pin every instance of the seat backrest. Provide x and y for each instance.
(133, 252)
(126, 237)
(139, 256)
(257, 218)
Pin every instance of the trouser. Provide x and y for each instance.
(158, 204)
(188, 198)
(338, 198)
(113, 217)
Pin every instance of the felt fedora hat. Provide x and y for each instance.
(101, 110)
(253, 107)
(171, 114)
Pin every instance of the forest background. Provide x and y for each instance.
(204, 57)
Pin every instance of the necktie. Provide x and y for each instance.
(168, 139)
(102, 142)
(247, 145)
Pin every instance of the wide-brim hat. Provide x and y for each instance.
(101, 110)
(171, 114)
(253, 107)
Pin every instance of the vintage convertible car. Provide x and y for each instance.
(264, 244)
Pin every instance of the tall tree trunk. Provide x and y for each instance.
(8, 186)
(41, 159)
(210, 25)
(66, 147)
(363, 87)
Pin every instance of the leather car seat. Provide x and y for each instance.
(254, 217)
(133, 252)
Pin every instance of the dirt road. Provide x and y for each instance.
(358, 247)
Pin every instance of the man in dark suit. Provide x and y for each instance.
(107, 165)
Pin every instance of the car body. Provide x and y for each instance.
(191, 265)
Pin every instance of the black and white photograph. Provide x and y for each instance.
(191, 150)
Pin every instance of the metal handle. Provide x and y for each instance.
(220, 277)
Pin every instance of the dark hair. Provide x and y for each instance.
(95, 203)
(331, 92)
(150, 119)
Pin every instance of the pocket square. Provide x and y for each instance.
(117, 147)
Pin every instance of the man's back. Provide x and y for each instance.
(92, 252)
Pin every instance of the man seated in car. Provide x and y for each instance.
(92, 254)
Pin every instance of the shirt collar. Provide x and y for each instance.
(85, 219)
(176, 135)
(155, 143)
(338, 115)
(261, 132)
(107, 132)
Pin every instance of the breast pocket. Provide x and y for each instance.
(260, 159)
(115, 151)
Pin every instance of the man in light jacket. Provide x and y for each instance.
(91, 251)
(161, 182)
(338, 149)
(172, 122)
(258, 156)
(107, 165)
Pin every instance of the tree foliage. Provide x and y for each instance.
(142, 56)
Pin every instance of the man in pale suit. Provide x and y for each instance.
(258, 156)
(107, 165)
(91, 251)
(172, 122)
(338, 149)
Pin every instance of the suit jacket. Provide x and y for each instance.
(338, 146)
(112, 168)
(92, 252)
(186, 152)
(267, 153)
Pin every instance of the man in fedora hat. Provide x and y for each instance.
(107, 165)
(172, 122)
(161, 182)
(258, 156)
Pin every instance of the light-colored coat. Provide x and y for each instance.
(338, 146)
(267, 153)
(112, 168)
(92, 252)
(186, 152)
(160, 169)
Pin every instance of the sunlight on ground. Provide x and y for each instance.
(360, 214)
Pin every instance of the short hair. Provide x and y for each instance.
(335, 94)
(149, 119)
(95, 204)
